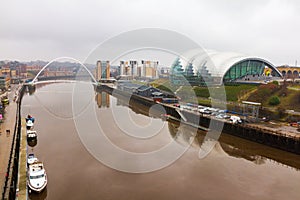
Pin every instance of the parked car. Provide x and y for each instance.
(223, 116)
(177, 105)
(294, 124)
(205, 111)
(266, 119)
(201, 107)
(5, 101)
(215, 113)
(235, 119)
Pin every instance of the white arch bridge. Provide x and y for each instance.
(36, 81)
(58, 81)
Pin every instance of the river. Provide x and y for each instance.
(79, 166)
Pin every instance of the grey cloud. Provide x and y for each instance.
(268, 29)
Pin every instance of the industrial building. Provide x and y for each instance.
(146, 91)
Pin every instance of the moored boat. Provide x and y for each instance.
(29, 122)
(31, 159)
(31, 135)
(37, 177)
(29, 125)
(29, 117)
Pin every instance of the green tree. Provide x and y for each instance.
(274, 100)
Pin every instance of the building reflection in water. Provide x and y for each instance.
(227, 145)
(103, 99)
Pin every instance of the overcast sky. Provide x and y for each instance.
(34, 29)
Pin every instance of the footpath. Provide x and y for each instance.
(5, 137)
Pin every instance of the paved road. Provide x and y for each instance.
(6, 140)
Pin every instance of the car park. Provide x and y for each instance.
(216, 112)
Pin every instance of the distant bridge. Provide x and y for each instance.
(57, 81)
(37, 79)
(71, 79)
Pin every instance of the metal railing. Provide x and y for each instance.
(11, 178)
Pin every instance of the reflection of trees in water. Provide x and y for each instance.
(238, 152)
(257, 153)
(234, 147)
(259, 160)
(183, 134)
(186, 135)
(227, 144)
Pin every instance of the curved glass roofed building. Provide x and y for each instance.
(224, 67)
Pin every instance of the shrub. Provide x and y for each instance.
(271, 87)
(274, 100)
(283, 92)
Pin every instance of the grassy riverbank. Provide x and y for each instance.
(281, 101)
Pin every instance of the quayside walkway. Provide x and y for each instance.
(6, 138)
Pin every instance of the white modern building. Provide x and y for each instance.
(222, 67)
(146, 69)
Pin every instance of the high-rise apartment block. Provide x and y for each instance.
(102, 70)
(147, 69)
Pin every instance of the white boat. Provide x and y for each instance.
(31, 135)
(29, 117)
(29, 124)
(37, 177)
(31, 159)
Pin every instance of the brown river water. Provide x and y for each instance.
(234, 169)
